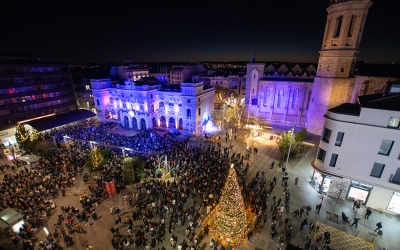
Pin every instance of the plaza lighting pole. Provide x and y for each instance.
(290, 144)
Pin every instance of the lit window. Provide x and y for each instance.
(326, 135)
(394, 122)
(339, 139)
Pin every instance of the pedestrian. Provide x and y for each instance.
(355, 222)
(357, 207)
(311, 227)
(63, 191)
(308, 209)
(354, 204)
(111, 209)
(318, 208)
(283, 170)
(296, 181)
(368, 213)
(206, 229)
(379, 226)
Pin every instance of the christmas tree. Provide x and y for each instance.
(21, 134)
(96, 157)
(231, 220)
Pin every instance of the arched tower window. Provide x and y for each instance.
(351, 27)
(338, 27)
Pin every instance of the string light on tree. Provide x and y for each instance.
(231, 219)
(96, 157)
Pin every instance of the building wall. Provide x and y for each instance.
(359, 149)
(33, 90)
(153, 105)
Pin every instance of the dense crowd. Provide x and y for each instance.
(158, 208)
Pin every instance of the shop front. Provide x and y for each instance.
(359, 192)
(394, 204)
(320, 182)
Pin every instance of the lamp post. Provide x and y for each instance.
(290, 144)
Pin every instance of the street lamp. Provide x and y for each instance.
(290, 144)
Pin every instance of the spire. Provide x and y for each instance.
(253, 58)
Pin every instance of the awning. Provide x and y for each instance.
(9, 217)
(60, 119)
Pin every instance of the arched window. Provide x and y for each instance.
(338, 27)
(294, 98)
(280, 95)
(266, 93)
(351, 26)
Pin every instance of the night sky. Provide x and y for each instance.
(190, 30)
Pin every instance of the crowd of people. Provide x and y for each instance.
(158, 208)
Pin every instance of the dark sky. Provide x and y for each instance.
(144, 30)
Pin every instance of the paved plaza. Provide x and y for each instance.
(99, 236)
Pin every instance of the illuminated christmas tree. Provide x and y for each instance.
(96, 157)
(231, 220)
(35, 135)
(21, 134)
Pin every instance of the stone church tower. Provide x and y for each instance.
(334, 82)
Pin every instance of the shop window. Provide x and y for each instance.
(326, 135)
(377, 170)
(321, 154)
(333, 160)
(386, 146)
(394, 122)
(394, 204)
(339, 139)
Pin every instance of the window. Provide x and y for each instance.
(189, 113)
(199, 111)
(342, 69)
(351, 27)
(396, 177)
(394, 122)
(339, 139)
(377, 170)
(326, 135)
(386, 146)
(333, 160)
(98, 102)
(321, 154)
(338, 26)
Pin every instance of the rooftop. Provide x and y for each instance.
(381, 101)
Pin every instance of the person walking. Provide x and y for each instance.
(355, 222)
(368, 213)
(379, 226)
(206, 229)
(296, 181)
(308, 209)
(318, 208)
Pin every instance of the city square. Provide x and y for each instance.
(194, 125)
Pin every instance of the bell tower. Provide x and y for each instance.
(334, 82)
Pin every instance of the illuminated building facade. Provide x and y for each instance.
(30, 89)
(149, 103)
(281, 95)
(358, 155)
